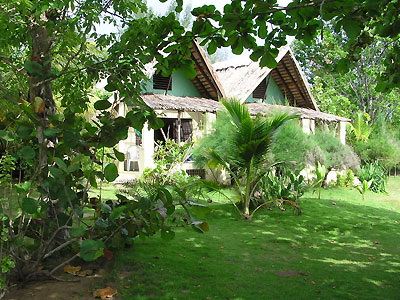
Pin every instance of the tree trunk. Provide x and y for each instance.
(40, 90)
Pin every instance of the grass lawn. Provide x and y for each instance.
(350, 250)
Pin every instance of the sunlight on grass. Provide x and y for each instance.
(277, 255)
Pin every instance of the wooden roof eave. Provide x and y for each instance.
(304, 79)
(209, 72)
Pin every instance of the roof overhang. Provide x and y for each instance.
(204, 105)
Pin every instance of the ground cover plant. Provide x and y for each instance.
(341, 247)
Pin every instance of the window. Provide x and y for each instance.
(170, 130)
(197, 172)
(259, 91)
(162, 83)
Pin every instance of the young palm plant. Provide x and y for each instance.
(252, 139)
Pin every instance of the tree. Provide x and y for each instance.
(49, 63)
(251, 140)
(50, 59)
(355, 90)
(242, 23)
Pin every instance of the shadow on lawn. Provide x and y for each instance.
(350, 251)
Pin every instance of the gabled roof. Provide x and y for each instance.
(206, 80)
(240, 81)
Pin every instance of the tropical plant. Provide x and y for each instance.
(364, 187)
(320, 172)
(251, 139)
(375, 173)
(280, 185)
(360, 130)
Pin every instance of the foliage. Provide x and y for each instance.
(251, 140)
(375, 173)
(364, 187)
(294, 147)
(320, 172)
(299, 150)
(357, 89)
(335, 155)
(280, 184)
(382, 145)
(168, 178)
(349, 181)
(360, 129)
(49, 64)
(242, 23)
(169, 157)
(218, 139)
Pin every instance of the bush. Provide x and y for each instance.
(379, 147)
(219, 140)
(337, 155)
(298, 149)
(375, 173)
(293, 146)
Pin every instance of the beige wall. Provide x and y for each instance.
(200, 121)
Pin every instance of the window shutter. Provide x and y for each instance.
(259, 91)
(162, 83)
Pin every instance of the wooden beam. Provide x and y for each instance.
(205, 75)
(300, 80)
(287, 87)
(202, 87)
(178, 135)
(293, 80)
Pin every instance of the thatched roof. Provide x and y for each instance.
(240, 81)
(188, 104)
(305, 113)
(193, 104)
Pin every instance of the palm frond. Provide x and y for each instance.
(237, 111)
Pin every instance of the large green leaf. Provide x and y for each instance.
(102, 104)
(91, 249)
(27, 153)
(29, 205)
(111, 172)
(119, 155)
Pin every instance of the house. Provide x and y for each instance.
(189, 106)
(282, 88)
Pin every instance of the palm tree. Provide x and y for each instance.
(252, 140)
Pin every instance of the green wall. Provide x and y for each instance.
(181, 86)
(274, 94)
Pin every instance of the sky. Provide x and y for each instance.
(160, 9)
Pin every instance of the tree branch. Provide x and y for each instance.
(9, 63)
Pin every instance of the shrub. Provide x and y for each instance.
(349, 181)
(293, 146)
(298, 149)
(219, 140)
(376, 174)
(335, 154)
(379, 147)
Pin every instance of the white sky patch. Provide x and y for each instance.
(160, 8)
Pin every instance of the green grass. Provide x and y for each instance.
(350, 250)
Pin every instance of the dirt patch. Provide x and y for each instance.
(40, 290)
(290, 273)
(82, 289)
